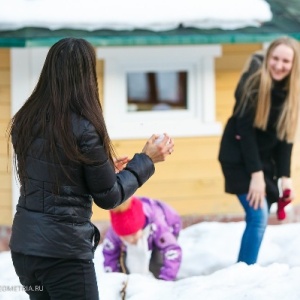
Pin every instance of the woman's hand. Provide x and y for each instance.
(286, 184)
(120, 163)
(257, 190)
(158, 151)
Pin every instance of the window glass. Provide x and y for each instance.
(148, 91)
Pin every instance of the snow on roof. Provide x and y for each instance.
(154, 15)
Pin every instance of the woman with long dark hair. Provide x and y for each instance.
(65, 161)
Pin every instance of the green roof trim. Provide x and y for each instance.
(286, 21)
(100, 41)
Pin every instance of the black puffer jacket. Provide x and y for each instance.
(54, 209)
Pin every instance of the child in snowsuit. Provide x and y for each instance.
(143, 239)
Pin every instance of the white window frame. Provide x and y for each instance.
(199, 119)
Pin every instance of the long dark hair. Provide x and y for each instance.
(67, 83)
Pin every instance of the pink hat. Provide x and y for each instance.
(128, 221)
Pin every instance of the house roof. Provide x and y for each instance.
(155, 15)
(285, 20)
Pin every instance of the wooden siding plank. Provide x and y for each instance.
(235, 56)
(239, 48)
(201, 187)
(5, 164)
(100, 78)
(3, 146)
(5, 197)
(6, 216)
(227, 80)
(5, 179)
(3, 129)
(4, 58)
(4, 77)
(232, 62)
(189, 170)
(5, 95)
(5, 112)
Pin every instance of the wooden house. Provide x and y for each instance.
(209, 63)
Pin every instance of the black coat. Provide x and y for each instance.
(54, 209)
(245, 149)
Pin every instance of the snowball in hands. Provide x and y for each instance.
(160, 138)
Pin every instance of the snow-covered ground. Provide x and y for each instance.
(209, 270)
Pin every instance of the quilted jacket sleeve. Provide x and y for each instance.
(282, 157)
(107, 188)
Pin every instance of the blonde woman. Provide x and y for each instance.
(257, 142)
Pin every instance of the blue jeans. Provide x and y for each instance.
(256, 223)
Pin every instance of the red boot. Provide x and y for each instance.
(282, 203)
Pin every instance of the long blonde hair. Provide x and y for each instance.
(287, 123)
